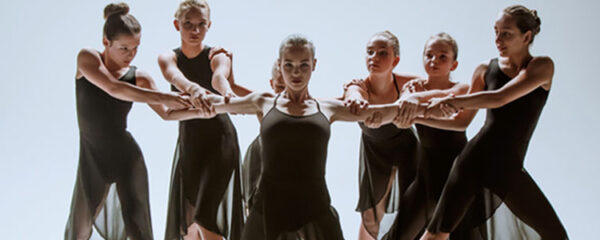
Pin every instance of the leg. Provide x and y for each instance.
(89, 193)
(208, 235)
(526, 201)
(369, 226)
(412, 217)
(133, 193)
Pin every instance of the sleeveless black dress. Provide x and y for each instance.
(108, 155)
(205, 180)
(493, 161)
(292, 201)
(251, 171)
(438, 150)
(382, 149)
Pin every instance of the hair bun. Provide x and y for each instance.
(537, 20)
(116, 8)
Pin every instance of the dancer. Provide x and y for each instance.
(205, 193)
(387, 153)
(106, 86)
(441, 141)
(514, 89)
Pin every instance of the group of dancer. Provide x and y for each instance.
(438, 184)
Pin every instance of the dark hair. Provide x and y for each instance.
(447, 39)
(119, 21)
(526, 19)
(296, 40)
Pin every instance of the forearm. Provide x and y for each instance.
(178, 115)
(249, 104)
(220, 83)
(445, 124)
(423, 96)
(184, 85)
(478, 100)
(128, 92)
(240, 90)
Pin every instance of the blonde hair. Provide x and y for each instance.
(296, 40)
(391, 38)
(119, 21)
(446, 38)
(186, 5)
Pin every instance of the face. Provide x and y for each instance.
(438, 58)
(380, 55)
(509, 39)
(193, 26)
(297, 65)
(122, 48)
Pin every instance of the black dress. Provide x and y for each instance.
(108, 154)
(251, 171)
(439, 149)
(292, 201)
(493, 161)
(382, 149)
(205, 180)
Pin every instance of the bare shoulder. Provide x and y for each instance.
(482, 68)
(88, 54)
(87, 57)
(166, 57)
(541, 64)
(404, 77)
(460, 88)
(142, 78)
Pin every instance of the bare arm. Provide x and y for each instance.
(236, 88)
(168, 66)
(253, 103)
(461, 121)
(221, 67)
(356, 95)
(335, 110)
(90, 65)
(538, 73)
(144, 80)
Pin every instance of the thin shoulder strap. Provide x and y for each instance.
(318, 105)
(396, 85)
(275, 100)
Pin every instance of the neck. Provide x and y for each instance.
(381, 82)
(191, 51)
(296, 96)
(438, 82)
(517, 61)
(111, 65)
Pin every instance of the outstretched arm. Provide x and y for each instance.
(89, 64)
(252, 103)
(236, 88)
(356, 95)
(145, 81)
(538, 73)
(460, 121)
(336, 110)
(168, 66)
